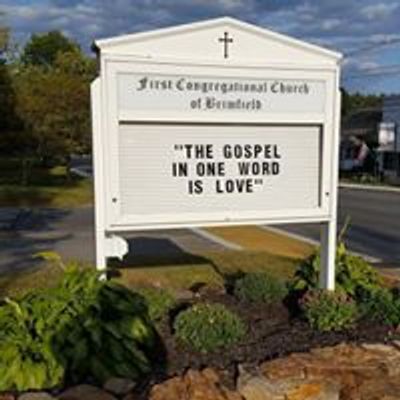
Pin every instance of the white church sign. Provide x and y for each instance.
(214, 123)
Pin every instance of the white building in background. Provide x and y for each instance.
(389, 139)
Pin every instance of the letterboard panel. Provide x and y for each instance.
(208, 169)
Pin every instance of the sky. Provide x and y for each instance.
(366, 31)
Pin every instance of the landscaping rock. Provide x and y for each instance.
(259, 388)
(348, 372)
(183, 295)
(119, 386)
(6, 396)
(130, 396)
(194, 385)
(313, 391)
(85, 392)
(36, 396)
(285, 388)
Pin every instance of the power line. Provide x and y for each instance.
(377, 74)
(383, 43)
(375, 71)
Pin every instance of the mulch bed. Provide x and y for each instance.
(272, 333)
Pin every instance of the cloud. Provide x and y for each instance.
(379, 10)
(342, 25)
(330, 24)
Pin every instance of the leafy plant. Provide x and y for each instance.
(81, 328)
(159, 301)
(260, 287)
(27, 359)
(329, 311)
(354, 275)
(207, 327)
(382, 305)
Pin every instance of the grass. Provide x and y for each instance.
(47, 187)
(19, 283)
(215, 267)
(258, 239)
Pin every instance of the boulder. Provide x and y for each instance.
(36, 396)
(194, 385)
(119, 386)
(85, 392)
(6, 396)
(346, 371)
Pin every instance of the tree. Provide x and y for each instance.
(353, 103)
(4, 35)
(10, 124)
(54, 104)
(43, 49)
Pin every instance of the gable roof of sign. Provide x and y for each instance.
(121, 44)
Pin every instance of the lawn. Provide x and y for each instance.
(258, 239)
(46, 187)
(210, 268)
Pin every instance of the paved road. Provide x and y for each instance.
(374, 230)
(375, 223)
(24, 233)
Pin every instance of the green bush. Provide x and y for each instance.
(260, 287)
(159, 301)
(329, 311)
(207, 327)
(381, 305)
(354, 275)
(81, 328)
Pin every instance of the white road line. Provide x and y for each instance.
(216, 239)
(80, 172)
(292, 235)
(377, 188)
(313, 242)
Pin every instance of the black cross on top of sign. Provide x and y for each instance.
(226, 40)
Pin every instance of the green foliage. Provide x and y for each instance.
(27, 359)
(159, 301)
(45, 99)
(54, 105)
(4, 34)
(207, 327)
(352, 103)
(354, 275)
(329, 311)
(43, 49)
(81, 328)
(260, 287)
(9, 121)
(381, 305)
(51, 257)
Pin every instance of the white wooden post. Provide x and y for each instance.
(329, 229)
(328, 252)
(98, 176)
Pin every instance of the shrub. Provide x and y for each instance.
(207, 327)
(260, 287)
(81, 328)
(381, 305)
(354, 275)
(159, 301)
(329, 311)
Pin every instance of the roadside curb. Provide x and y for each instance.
(290, 235)
(81, 172)
(377, 188)
(216, 239)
